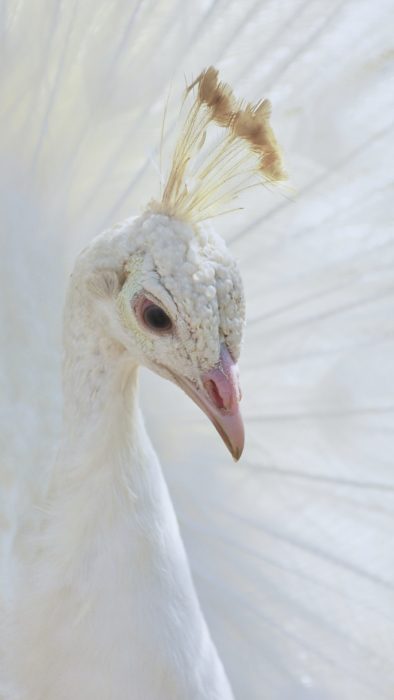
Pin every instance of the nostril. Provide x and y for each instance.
(214, 393)
(218, 388)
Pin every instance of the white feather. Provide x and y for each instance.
(291, 549)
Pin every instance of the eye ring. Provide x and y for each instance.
(155, 318)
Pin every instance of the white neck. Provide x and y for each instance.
(107, 609)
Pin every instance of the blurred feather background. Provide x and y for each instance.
(292, 548)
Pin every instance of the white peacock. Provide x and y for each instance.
(290, 548)
(106, 607)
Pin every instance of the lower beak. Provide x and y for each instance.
(220, 401)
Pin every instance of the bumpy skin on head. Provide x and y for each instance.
(190, 271)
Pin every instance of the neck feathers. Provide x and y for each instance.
(106, 606)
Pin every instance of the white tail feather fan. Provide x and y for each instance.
(291, 547)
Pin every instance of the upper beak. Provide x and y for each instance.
(220, 401)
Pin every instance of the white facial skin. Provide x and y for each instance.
(172, 295)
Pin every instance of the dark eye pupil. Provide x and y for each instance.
(156, 318)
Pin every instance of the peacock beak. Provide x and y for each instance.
(219, 399)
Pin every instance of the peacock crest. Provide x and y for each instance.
(202, 181)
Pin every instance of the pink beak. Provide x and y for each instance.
(220, 401)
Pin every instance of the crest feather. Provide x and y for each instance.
(200, 184)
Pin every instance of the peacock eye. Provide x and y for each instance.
(156, 319)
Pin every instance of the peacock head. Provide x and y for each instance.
(179, 297)
(182, 307)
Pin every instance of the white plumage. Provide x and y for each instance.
(291, 547)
